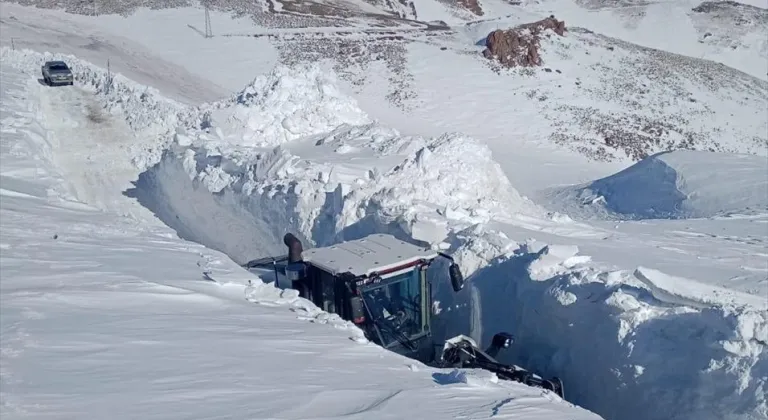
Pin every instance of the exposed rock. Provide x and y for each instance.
(463, 9)
(519, 46)
(404, 9)
(471, 5)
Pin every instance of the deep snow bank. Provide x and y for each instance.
(624, 348)
(291, 153)
(675, 185)
(628, 344)
(87, 337)
(417, 189)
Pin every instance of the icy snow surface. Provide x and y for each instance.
(105, 316)
(643, 320)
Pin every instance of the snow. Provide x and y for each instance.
(685, 292)
(101, 311)
(365, 256)
(679, 184)
(673, 26)
(649, 346)
(443, 83)
(154, 57)
(642, 319)
(288, 104)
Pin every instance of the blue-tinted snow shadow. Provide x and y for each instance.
(450, 378)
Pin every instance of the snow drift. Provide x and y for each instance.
(676, 185)
(623, 346)
(628, 344)
(285, 105)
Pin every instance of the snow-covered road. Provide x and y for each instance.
(94, 149)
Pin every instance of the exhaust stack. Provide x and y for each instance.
(294, 248)
(296, 270)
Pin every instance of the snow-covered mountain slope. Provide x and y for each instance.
(101, 311)
(610, 99)
(728, 32)
(291, 13)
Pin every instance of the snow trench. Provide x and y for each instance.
(624, 349)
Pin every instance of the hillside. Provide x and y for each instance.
(605, 98)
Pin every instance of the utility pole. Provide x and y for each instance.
(109, 79)
(208, 29)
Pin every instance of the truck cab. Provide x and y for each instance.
(378, 282)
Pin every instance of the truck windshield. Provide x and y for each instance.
(396, 307)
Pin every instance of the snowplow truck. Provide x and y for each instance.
(380, 284)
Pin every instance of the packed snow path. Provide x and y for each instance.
(100, 147)
(104, 316)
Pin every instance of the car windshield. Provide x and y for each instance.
(58, 67)
(396, 307)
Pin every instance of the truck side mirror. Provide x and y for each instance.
(457, 279)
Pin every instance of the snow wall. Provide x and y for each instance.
(247, 170)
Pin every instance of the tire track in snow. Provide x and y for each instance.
(93, 149)
(45, 32)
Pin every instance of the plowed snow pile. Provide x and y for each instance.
(230, 178)
(632, 344)
(675, 185)
(286, 105)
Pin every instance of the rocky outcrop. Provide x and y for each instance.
(404, 9)
(471, 5)
(519, 46)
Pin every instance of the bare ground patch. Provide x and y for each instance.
(354, 58)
